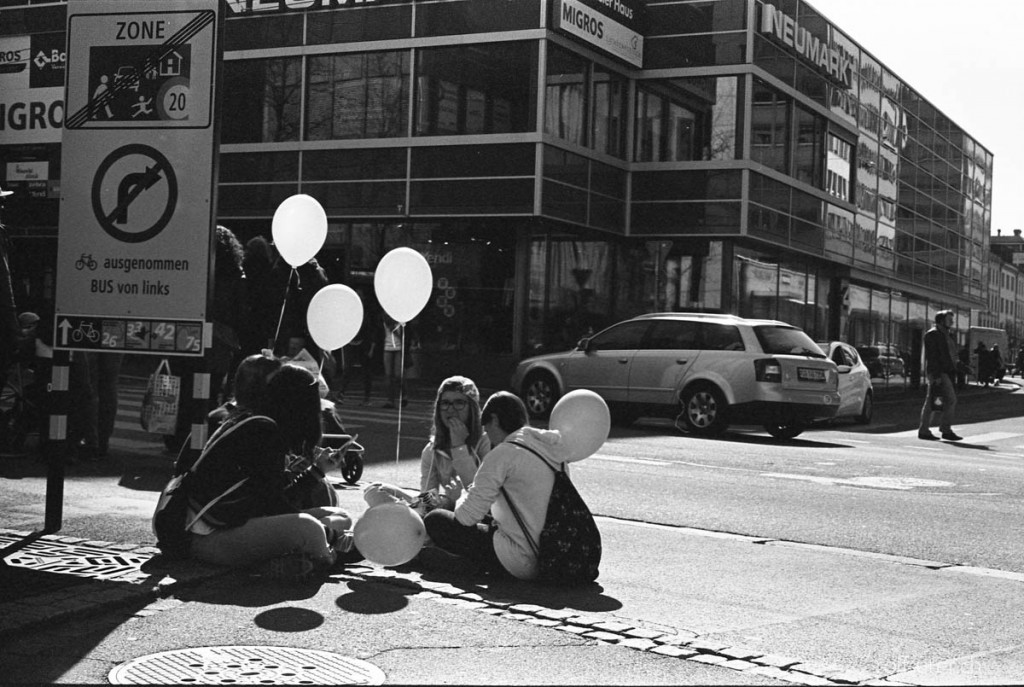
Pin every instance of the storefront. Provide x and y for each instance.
(564, 164)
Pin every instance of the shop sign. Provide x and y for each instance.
(829, 59)
(241, 7)
(32, 88)
(612, 26)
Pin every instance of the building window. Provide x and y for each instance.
(769, 128)
(839, 165)
(565, 97)
(609, 134)
(358, 95)
(276, 86)
(484, 88)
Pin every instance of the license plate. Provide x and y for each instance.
(810, 374)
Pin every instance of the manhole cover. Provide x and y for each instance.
(246, 665)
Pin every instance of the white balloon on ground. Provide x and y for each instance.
(334, 316)
(583, 419)
(299, 228)
(390, 534)
(403, 283)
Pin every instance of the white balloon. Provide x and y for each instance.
(390, 534)
(403, 282)
(583, 419)
(334, 316)
(299, 228)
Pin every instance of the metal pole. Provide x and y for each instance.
(55, 448)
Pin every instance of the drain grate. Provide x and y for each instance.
(246, 665)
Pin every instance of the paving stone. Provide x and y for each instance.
(776, 661)
(599, 634)
(770, 672)
(612, 626)
(707, 647)
(526, 608)
(737, 664)
(673, 651)
(638, 643)
(471, 596)
(492, 611)
(740, 653)
(555, 613)
(807, 678)
(574, 629)
(851, 677)
(711, 659)
(544, 622)
(676, 639)
(588, 620)
(517, 616)
(819, 669)
(644, 633)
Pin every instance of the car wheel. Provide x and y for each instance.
(788, 430)
(866, 410)
(540, 391)
(704, 410)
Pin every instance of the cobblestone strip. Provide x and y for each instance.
(676, 644)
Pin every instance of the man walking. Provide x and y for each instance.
(940, 352)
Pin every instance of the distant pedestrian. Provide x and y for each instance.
(940, 352)
(998, 366)
(1020, 362)
(394, 342)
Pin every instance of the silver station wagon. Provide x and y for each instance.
(708, 371)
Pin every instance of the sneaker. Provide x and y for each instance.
(927, 436)
(951, 436)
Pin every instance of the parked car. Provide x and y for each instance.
(882, 360)
(856, 395)
(707, 370)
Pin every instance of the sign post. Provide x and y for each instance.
(138, 158)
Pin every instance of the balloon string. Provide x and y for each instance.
(284, 304)
(401, 395)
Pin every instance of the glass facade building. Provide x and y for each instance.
(564, 164)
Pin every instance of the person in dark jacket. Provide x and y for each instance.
(940, 353)
(246, 495)
(10, 330)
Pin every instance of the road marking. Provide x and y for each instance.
(626, 459)
(897, 483)
(992, 436)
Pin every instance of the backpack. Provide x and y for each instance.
(569, 550)
(170, 517)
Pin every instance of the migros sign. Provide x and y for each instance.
(833, 62)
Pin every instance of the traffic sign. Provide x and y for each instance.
(138, 156)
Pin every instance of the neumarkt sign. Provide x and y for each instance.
(137, 159)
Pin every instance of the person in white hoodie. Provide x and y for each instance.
(507, 471)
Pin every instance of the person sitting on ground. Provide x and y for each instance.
(244, 498)
(450, 459)
(506, 472)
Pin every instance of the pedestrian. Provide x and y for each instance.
(940, 352)
(984, 363)
(506, 472)
(998, 366)
(394, 341)
(1020, 362)
(246, 495)
(452, 455)
(358, 359)
(10, 329)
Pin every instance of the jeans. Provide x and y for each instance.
(473, 542)
(941, 386)
(267, 537)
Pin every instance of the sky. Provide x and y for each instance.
(964, 58)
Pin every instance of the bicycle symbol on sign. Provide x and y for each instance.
(85, 261)
(87, 331)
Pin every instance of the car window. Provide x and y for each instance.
(721, 337)
(786, 340)
(839, 356)
(673, 334)
(619, 337)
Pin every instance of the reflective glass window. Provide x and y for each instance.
(261, 33)
(809, 155)
(355, 24)
(839, 167)
(264, 99)
(609, 91)
(482, 88)
(769, 128)
(476, 16)
(687, 119)
(358, 95)
(565, 96)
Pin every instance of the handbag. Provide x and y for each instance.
(159, 413)
(569, 550)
